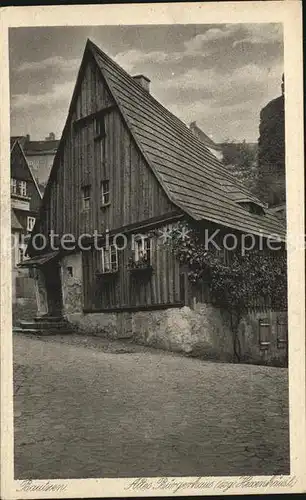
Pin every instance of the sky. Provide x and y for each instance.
(218, 75)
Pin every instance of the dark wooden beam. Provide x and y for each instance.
(84, 119)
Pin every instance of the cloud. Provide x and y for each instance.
(133, 58)
(225, 104)
(59, 92)
(261, 34)
(196, 44)
(204, 44)
(213, 81)
(55, 62)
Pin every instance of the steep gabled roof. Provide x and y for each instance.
(20, 138)
(190, 174)
(15, 142)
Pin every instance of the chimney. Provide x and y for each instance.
(193, 127)
(28, 138)
(51, 137)
(144, 81)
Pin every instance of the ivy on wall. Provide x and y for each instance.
(237, 282)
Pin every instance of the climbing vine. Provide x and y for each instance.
(237, 282)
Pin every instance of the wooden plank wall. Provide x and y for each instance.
(136, 194)
(128, 289)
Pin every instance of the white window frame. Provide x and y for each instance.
(105, 192)
(13, 185)
(141, 246)
(23, 188)
(21, 254)
(86, 199)
(108, 264)
(30, 223)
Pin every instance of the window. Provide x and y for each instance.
(21, 255)
(23, 188)
(252, 207)
(30, 223)
(99, 127)
(109, 259)
(13, 186)
(105, 197)
(142, 249)
(86, 197)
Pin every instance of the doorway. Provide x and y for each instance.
(54, 289)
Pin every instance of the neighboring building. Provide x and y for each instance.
(126, 167)
(25, 203)
(240, 159)
(271, 152)
(214, 148)
(40, 156)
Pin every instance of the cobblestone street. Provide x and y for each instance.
(85, 407)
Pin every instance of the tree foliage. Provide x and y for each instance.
(241, 161)
(271, 143)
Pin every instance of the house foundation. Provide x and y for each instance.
(202, 330)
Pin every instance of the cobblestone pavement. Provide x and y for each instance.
(87, 407)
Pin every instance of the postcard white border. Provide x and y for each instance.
(286, 12)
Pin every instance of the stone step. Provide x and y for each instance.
(44, 325)
(17, 329)
(43, 331)
(49, 319)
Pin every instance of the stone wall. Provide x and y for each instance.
(203, 331)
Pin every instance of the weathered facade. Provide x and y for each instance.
(25, 203)
(125, 171)
(40, 156)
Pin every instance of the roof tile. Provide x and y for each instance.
(193, 177)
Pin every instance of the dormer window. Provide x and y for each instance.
(252, 208)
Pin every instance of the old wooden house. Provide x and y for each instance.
(126, 166)
(25, 203)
